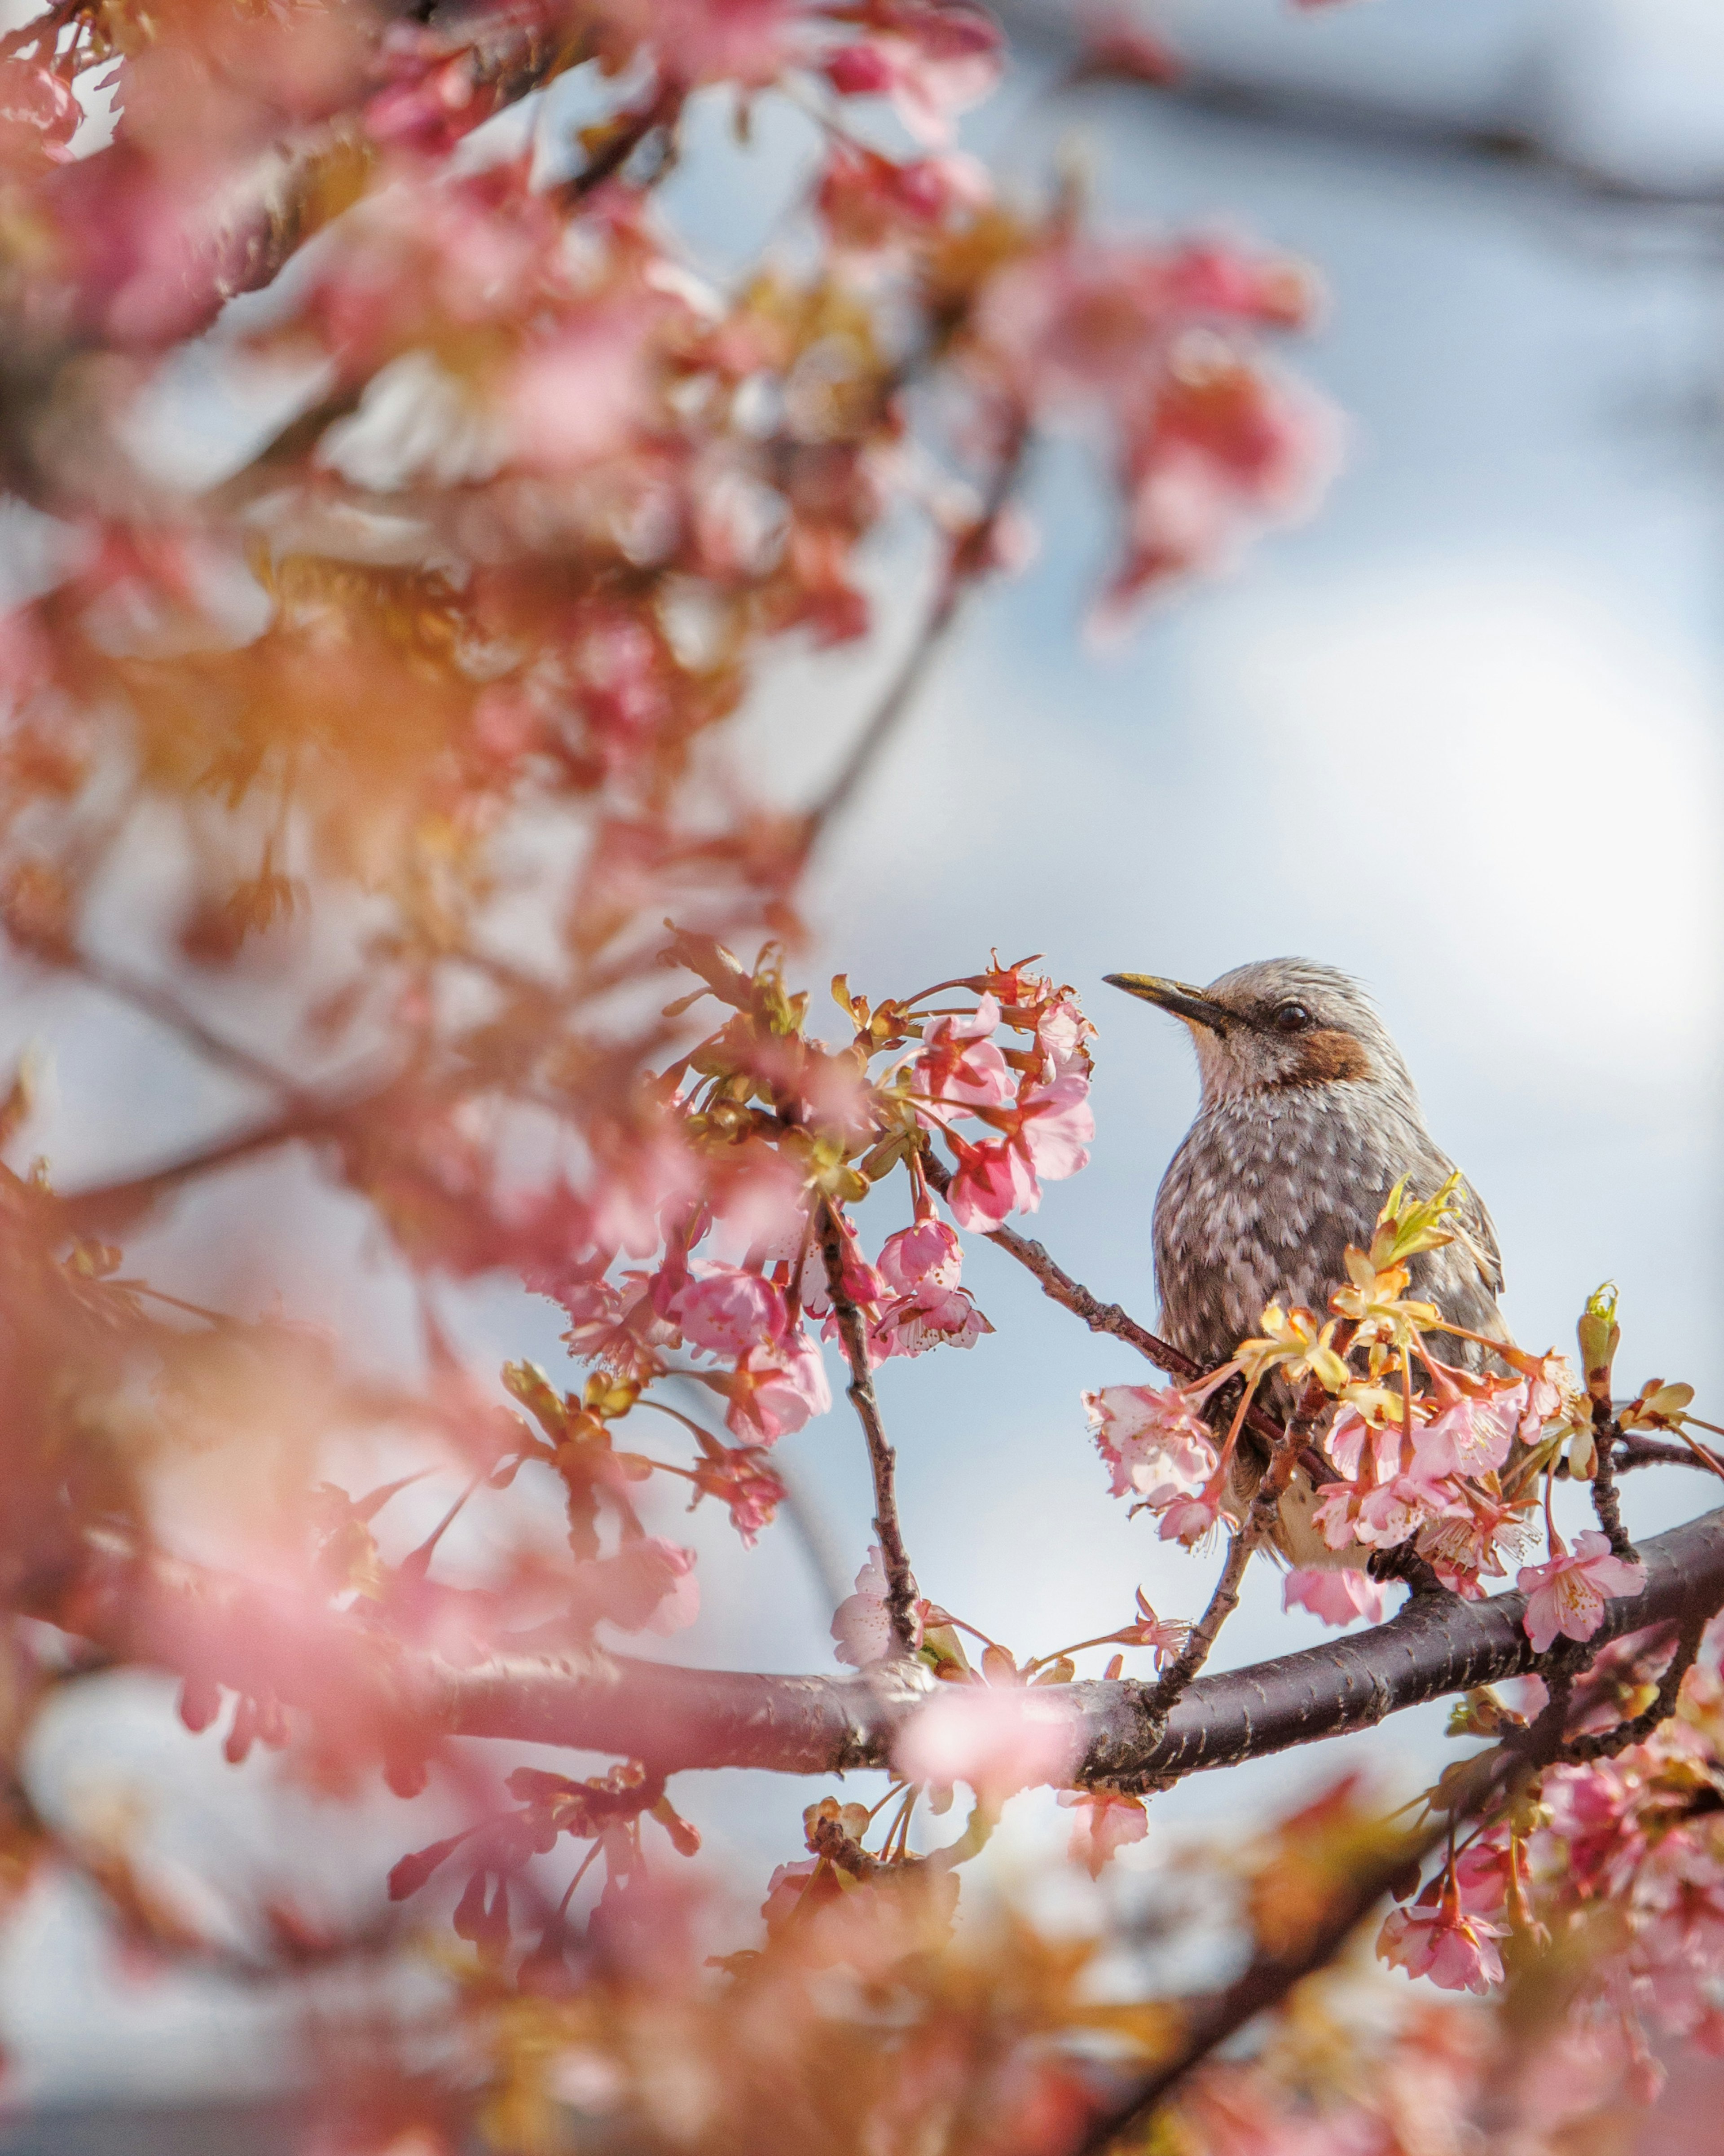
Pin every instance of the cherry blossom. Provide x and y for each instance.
(776, 1390)
(1384, 1517)
(932, 61)
(1469, 1542)
(862, 1623)
(747, 1487)
(1471, 1429)
(920, 1264)
(1184, 1519)
(1337, 1594)
(729, 1311)
(961, 1065)
(1568, 1594)
(1057, 1126)
(1103, 1822)
(996, 1738)
(1458, 1953)
(992, 1180)
(1150, 1437)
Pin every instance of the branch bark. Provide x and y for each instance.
(159, 1611)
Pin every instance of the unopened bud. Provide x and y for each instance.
(1599, 1333)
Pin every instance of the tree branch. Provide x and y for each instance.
(351, 1676)
(882, 1460)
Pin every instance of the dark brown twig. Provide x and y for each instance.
(882, 1460)
(1258, 1520)
(1649, 1452)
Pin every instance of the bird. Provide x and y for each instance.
(1308, 1118)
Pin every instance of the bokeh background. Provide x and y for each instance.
(1458, 735)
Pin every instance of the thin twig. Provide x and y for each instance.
(882, 1460)
(1649, 1452)
(1258, 1520)
(1606, 1743)
(966, 560)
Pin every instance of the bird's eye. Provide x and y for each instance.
(1291, 1018)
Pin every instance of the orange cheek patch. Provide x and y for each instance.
(1328, 1056)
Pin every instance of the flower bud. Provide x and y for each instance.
(1599, 1333)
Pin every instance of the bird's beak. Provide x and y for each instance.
(1178, 996)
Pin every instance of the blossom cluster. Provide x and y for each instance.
(763, 1140)
(1441, 1459)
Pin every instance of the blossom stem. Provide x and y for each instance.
(882, 1460)
(581, 1870)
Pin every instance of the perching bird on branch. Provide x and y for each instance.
(1309, 1117)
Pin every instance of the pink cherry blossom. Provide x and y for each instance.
(1381, 1517)
(930, 1317)
(1568, 1594)
(774, 1391)
(1337, 1594)
(1103, 1821)
(862, 1625)
(649, 1585)
(927, 1254)
(921, 1264)
(748, 1487)
(992, 1181)
(39, 113)
(1061, 1033)
(959, 1065)
(1151, 1437)
(1468, 1544)
(1184, 1519)
(729, 1311)
(996, 1738)
(1058, 1124)
(1457, 1953)
(932, 61)
(1471, 1431)
(872, 203)
(1345, 1443)
(1481, 1876)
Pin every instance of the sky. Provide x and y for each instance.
(1458, 735)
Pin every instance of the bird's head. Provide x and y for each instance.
(1279, 1023)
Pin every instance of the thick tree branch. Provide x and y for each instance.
(350, 1676)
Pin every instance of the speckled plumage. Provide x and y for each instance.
(1279, 1172)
